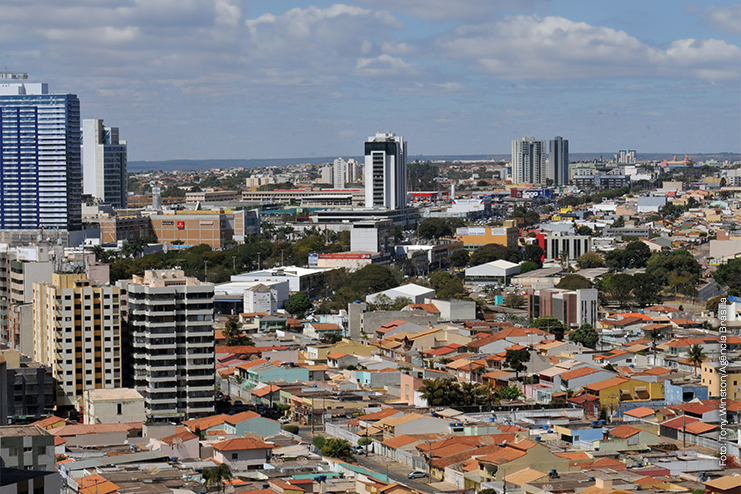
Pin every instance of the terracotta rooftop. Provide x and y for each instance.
(241, 444)
(625, 431)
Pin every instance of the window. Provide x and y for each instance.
(235, 456)
(119, 409)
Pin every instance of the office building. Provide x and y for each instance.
(339, 169)
(529, 161)
(558, 161)
(26, 447)
(354, 171)
(41, 176)
(385, 171)
(77, 332)
(27, 388)
(563, 245)
(104, 163)
(169, 339)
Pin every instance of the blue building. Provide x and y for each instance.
(40, 161)
(681, 392)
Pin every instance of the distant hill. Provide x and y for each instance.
(172, 165)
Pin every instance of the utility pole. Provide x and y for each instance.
(259, 264)
(234, 263)
(205, 271)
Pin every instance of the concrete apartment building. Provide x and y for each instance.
(168, 321)
(27, 388)
(77, 332)
(572, 308)
(27, 447)
(112, 406)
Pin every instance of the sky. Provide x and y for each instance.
(222, 79)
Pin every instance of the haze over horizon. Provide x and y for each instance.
(238, 79)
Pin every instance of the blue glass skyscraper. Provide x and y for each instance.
(40, 162)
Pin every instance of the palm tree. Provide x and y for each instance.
(437, 392)
(655, 335)
(696, 356)
(217, 475)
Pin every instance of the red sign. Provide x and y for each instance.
(345, 256)
(181, 225)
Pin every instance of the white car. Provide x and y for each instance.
(284, 420)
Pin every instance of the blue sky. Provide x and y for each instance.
(274, 79)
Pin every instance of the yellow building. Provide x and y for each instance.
(711, 378)
(475, 237)
(616, 390)
(77, 332)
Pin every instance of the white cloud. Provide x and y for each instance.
(446, 10)
(726, 19)
(383, 65)
(532, 47)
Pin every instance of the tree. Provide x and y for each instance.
(297, 304)
(528, 266)
(459, 258)
(509, 393)
(216, 476)
(584, 230)
(434, 228)
(331, 338)
(678, 266)
(516, 360)
(534, 253)
(447, 285)
(318, 441)
(493, 252)
(293, 429)
(586, 335)
(619, 286)
(636, 255)
(514, 300)
(590, 260)
(551, 325)
(646, 289)
(729, 274)
(338, 448)
(574, 282)
(437, 391)
(696, 356)
(233, 333)
(654, 335)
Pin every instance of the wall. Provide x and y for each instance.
(245, 460)
(106, 411)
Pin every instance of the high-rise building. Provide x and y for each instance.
(338, 173)
(385, 171)
(77, 332)
(354, 171)
(529, 161)
(104, 163)
(326, 174)
(558, 161)
(626, 157)
(40, 171)
(169, 337)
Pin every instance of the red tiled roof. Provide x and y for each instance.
(607, 383)
(241, 444)
(625, 431)
(640, 412)
(679, 422)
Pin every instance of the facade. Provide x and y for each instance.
(713, 374)
(558, 161)
(372, 236)
(168, 321)
(77, 332)
(475, 237)
(556, 244)
(211, 195)
(27, 388)
(529, 161)
(26, 447)
(183, 229)
(385, 171)
(112, 406)
(104, 163)
(572, 308)
(243, 453)
(626, 157)
(40, 157)
(602, 181)
(339, 173)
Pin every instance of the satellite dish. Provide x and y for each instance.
(487, 440)
(152, 470)
(177, 440)
(252, 435)
(302, 460)
(276, 461)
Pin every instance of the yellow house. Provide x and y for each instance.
(711, 378)
(318, 353)
(616, 390)
(519, 456)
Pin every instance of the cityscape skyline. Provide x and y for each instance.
(289, 80)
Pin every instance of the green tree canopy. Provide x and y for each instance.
(729, 274)
(590, 260)
(586, 335)
(516, 360)
(338, 448)
(646, 289)
(574, 282)
(528, 266)
(297, 304)
(447, 285)
(551, 325)
(677, 269)
(493, 252)
(459, 258)
(619, 287)
(533, 252)
(434, 228)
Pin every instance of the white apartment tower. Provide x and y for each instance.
(338, 173)
(385, 171)
(529, 161)
(169, 338)
(626, 157)
(104, 163)
(558, 161)
(77, 332)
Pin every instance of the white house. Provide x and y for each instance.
(184, 444)
(244, 453)
(113, 406)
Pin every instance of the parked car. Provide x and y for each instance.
(238, 402)
(358, 450)
(284, 420)
(416, 474)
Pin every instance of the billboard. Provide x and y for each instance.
(470, 231)
(531, 193)
(313, 260)
(181, 225)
